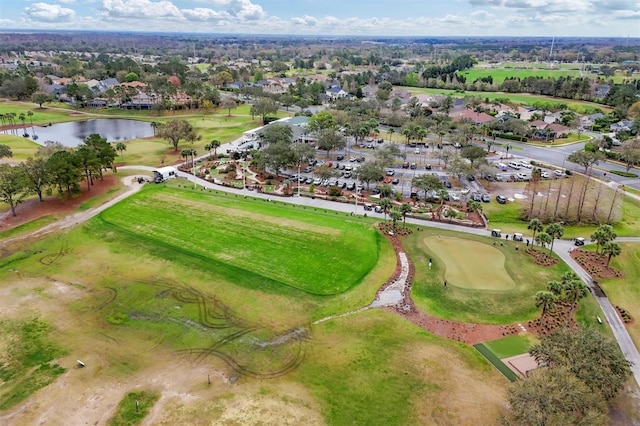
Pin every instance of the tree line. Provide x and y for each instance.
(55, 168)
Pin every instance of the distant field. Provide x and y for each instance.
(523, 98)
(500, 74)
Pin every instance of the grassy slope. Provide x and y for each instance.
(625, 292)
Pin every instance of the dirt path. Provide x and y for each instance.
(76, 218)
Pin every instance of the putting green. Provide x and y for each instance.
(470, 264)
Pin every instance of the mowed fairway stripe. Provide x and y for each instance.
(470, 264)
(318, 253)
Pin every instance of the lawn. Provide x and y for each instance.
(512, 345)
(500, 74)
(22, 148)
(259, 244)
(483, 271)
(475, 305)
(625, 292)
(507, 217)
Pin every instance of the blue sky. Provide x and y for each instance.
(604, 18)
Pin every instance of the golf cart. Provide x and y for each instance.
(517, 237)
(579, 241)
(495, 233)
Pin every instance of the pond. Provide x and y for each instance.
(74, 133)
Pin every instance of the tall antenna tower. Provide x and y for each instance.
(553, 40)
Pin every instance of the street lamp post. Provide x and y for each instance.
(193, 167)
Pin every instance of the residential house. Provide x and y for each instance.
(621, 126)
(542, 130)
(336, 92)
(588, 121)
(476, 118)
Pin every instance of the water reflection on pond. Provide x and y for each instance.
(74, 133)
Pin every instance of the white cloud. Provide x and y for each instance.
(306, 21)
(245, 10)
(203, 14)
(46, 12)
(140, 9)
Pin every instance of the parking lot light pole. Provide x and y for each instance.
(299, 178)
(356, 209)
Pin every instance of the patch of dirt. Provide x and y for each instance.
(595, 264)
(33, 209)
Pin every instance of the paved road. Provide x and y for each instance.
(561, 247)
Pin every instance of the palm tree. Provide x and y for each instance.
(507, 147)
(612, 249)
(185, 153)
(543, 239)
(603, 235)
(576, 290)
(215, 144)
(405, 209)
(154, 125)
(395, 215)
(120, 147)
(555, 230)
(386, 205)
(555, 287)
(569, 276)
(391, 132)
(546, 300)
(536, 226)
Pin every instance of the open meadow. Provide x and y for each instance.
(218, 327)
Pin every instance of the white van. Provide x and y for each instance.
(502, 167)
(514, 165)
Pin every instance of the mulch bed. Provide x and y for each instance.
(562, 316)
(541, 258)
(595, 264)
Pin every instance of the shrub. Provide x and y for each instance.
(334, 191)
(623, 174)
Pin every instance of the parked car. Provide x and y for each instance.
(522, 176)
(518, 237)
(317, 181)
(558, 173)
(391, 172)
(405, 165)
(368, 207)
(395, 181)
(476, 196)
(379, 209)
(375, 191)
(579, 241)
(413, 166)
(486, 198)
(495, 233)
(351, 186)
(308, 169)
(347, 175)
(339, 157)
(525, 165)
(348, 167)
(514, 165)
(544, 175)
(447, 184)
(427, 166)
(501, 199)
(416, 151)
(309, 181)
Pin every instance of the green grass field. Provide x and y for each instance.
(625, 292)
(500, 74)
(484, 270)
(256, 243)
(133, 408)
(511, 345)
(476, 305)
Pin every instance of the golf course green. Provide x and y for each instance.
(471, 264)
